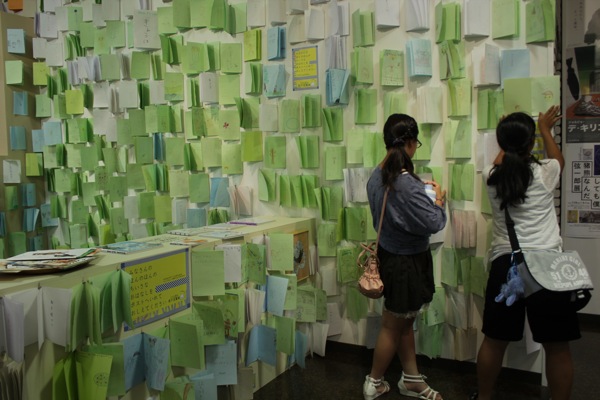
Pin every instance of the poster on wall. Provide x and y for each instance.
(305, 68)
(581, 83)
(160, 286)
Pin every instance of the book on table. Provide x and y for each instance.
(187, 241)
(253, 221)
(56, 254)
(42, 266)
(129, 247)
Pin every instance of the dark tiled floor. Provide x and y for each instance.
(341, 373)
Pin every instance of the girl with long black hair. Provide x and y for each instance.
(406, 266)
(525, 185)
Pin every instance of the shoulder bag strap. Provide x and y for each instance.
(381, 217)
(512, 235)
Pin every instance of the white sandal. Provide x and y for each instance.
(427, 394)
(371, 385)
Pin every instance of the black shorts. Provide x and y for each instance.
(408, 281)
(502, 322)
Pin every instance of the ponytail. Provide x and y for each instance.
(511, 179)
(398, 129)
(396, 162)
(515, 135)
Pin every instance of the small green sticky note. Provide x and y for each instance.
(144, 150)
(211, 152)
(231, 58)
(146, 204)
(173, 86)
(34, 164)
(74, 101)
(110, 65)
(179, 183)
(275, 152)
(252, 146)
(199, 188)
(174, 153)
(231, 158)
(162, 208)
(40, 73)
(43, 106)
(140, 65)
(13, 72)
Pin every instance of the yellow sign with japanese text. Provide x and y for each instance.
(160, 286)
(305, 67)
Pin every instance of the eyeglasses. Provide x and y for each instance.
(419, 144)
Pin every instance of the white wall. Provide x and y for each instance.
(542, 55)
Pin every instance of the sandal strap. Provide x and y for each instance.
(386, 385)
(431, 394)
(427, 394)
(377, 382)
(414, 378)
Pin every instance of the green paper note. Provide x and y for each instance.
(308, 147)
(366, 106)
(267, 181)
(252, 146)
(289, 116)
(282, 251)
(275, 152)
(232, 158)
(333, 125)
(335, 162)
(208, 273)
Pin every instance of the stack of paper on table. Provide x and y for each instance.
(253, 220)
(218, 231)
(225, 226)
(129, 247)
(47, 260)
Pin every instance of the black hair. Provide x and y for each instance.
(515, 135)
(397, 131)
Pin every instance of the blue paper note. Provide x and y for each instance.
(418, 57)
(52, 133)
(16, 41)
(196, 217)
(276, 291)
(156, 357)
(17, 138)
(30, 216)
(20, 105)
(159, 147)
(135, 364)
(28, 194)
(274, 80)
(336, 86)
(34, 243)
(301, 349)
(221, 360)
(2, 225)
(219, 195)
(37, 140)
(514, 63)
(47, 220)
(276, 43)
(205, 385)
(262, 345)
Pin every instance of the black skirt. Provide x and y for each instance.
(408, 281)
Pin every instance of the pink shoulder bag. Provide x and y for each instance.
(370, 284)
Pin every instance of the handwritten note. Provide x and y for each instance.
(15, 41)
(12, 171)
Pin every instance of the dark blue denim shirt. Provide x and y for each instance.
(410, 216)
